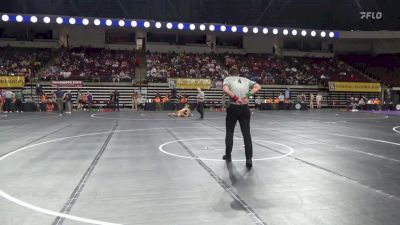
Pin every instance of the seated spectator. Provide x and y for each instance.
(165, 99)
(184, 100)
(157, 101)
(258, 102)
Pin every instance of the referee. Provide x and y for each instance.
(200, 102)
(239, 89)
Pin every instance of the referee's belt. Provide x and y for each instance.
(244, 105)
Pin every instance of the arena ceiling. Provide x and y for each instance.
(312, 14)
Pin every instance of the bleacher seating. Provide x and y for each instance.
(22, 61)
(265, 69)
(92, 64)
(385, 67)
(161, 66)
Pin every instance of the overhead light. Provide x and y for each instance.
(158, 25)
(211, 27)
(323, 34)
(285, 32)
(223, 28)
(313, 33)
(265, 30)
(234, 29)
(5, 18)
(245, 29)
(72, 20)
(180, 26)
(19, 18)
(59, 20)
(121, 23)
(108, 22)
(294, 32)
(169, 25)
(192, 26)
(275, 31)
(133, 23)
(303, 33)
(202, 27)
(255, 30)
(85, 21)
(331, 34)
(146, 24)
(96, 22)
(46, 19)
(34, 19)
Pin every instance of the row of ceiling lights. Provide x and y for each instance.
(169, 25)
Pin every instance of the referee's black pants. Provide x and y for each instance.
(200, 108)
(241, 113)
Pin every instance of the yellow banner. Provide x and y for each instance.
(354, 86)
(187, 83)
(12, 81)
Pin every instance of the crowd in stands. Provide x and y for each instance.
(22, 61)
(264, 69)
(384, 68)
(104, 65)
(92, 64)
(268, 69)
(161, 66)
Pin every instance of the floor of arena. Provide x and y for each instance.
(310, 167)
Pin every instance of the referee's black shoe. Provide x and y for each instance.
(249, 163)
(227, 158)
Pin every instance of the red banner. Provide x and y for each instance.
(67, 83)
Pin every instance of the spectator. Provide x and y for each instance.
(312, 98)
(8, 96)
(19, 98)
(184, 99)
(165, 99)
(157, 101)
(68, 102)
(90, 101)
(135, 100)
(258, 102)
(281, 97)
(319, 99)
(60, 95)
(43, 102)
(116, 100)
(2, 101)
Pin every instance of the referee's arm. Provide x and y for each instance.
(256, 88)
(228, 91)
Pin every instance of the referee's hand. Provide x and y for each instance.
(245, 101)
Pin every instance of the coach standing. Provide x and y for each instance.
(60, 100)
(237, 88)
(200, 102)
(9, 96)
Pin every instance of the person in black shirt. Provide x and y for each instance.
(115, 99)
(60, 100)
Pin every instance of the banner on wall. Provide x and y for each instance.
(67, 83)
(12, 81)
(187, 83)
(355, 87)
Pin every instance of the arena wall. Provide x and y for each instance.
(372, 42)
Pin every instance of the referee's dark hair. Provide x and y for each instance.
(233, 70)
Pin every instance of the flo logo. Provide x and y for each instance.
(371, 15)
